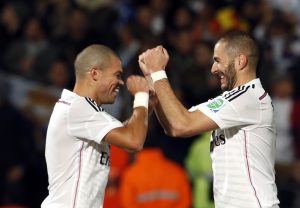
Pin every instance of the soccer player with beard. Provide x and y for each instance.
(241, 121)
(80, 131)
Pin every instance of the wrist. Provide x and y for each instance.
(141, 99)
(158, 75)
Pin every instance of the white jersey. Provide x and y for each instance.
(76, 155)
(243, 148)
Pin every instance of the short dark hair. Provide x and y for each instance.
(241, 42)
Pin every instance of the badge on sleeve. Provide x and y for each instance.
(216, 104)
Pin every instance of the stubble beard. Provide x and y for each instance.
(230, 75)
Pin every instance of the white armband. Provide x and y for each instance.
(141, 99)
(161, 74)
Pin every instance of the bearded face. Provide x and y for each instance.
(229, 77)
(224, 67)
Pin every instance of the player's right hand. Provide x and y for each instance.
(137, 84)
(153, 60)
(142, 65)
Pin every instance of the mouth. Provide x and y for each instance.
(116, 91)
(223, 81)
(221, 77)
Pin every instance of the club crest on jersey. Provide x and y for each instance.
(216, 104)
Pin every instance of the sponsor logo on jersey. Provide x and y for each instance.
(216, 104)
(105, 158)
(217, 140)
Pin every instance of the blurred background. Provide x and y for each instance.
(39, 40)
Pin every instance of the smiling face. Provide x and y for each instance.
(109, 82)
(98, 71)
(224, 67)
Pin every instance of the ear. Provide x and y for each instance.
(94, 73)
(241, 61)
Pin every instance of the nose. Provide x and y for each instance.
(214, 69)
(121, 82)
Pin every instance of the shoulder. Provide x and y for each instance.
(240, 93)
(85, 104)
(250, 93)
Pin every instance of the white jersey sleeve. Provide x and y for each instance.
(229, 113)
(88, 121)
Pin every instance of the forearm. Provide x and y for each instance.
(131, 136)
(137, 126)
(170, 111)
(162, 118)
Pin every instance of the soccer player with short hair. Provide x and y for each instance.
(241, 121)
(80, 131)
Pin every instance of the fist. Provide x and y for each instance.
(137, 84)
(153, 60)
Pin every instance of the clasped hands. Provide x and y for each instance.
(153, 60)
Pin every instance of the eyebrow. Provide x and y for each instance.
(118, 72)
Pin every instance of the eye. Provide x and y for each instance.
(119, 76)
(216, 60)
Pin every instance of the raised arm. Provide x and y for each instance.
(176, 120)
(131, 136)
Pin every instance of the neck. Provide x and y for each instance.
(245, 78)
(84, 90)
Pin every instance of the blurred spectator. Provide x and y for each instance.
(103, 27)
(145, 183)
(204, 22)
(228, 19)
(27, 56)
(250, 11)
(266, 69)
(18, 156)
(95, 4)
(201, 85)
(129, 45)
(119, 160)
(54, 14)
(278, 36)
(10, 25)
(179, 25)
(21, 56)
(296, 131)
(296, 167)
(287, 6)
(286, 164)
(181, 58)
(198, 165)
(143, 21)
(283, 101)
(182, 19)
(160, 10)
(76, 34)
(59, 75)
